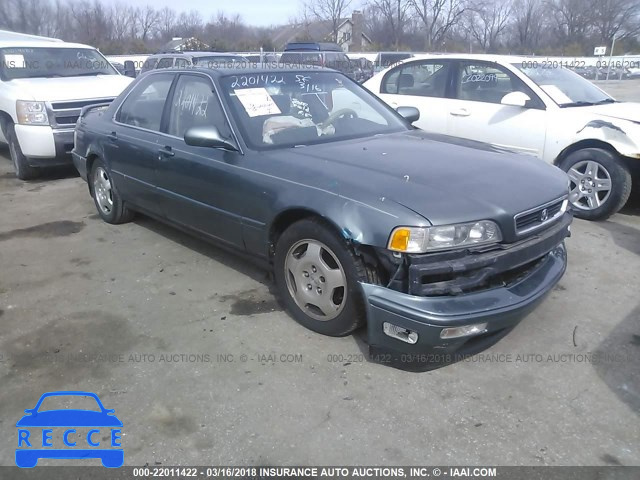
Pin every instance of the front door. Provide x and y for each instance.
(478, 114)
(199, 184)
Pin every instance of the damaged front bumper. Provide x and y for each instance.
(496, 288)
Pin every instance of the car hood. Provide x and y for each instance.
(69, 418)
(70, 88)
(621, 110)
(444, 179)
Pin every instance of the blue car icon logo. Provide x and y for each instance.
(35, 433)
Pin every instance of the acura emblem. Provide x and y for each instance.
(544, 215)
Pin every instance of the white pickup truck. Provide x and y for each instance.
(44, 84)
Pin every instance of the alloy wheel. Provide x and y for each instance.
(315, 279)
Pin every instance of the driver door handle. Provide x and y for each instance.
(165, 152)
(460, 112)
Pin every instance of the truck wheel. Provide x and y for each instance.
(600, 183)
(317, 275)
(108, 202)
(24, 171)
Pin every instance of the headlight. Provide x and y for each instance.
(424, 239)
(31, 113)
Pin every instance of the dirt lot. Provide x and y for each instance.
(165, 312)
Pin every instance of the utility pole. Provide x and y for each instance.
(613, 44)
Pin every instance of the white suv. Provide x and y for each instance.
(530, 105)
(43, 86)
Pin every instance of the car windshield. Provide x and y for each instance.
(566, 88)
(290, 109)
(38, 62)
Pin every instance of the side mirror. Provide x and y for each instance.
(208, 136)
(411, 114)
(515, 99)
(130, 68)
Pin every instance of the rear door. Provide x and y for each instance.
(199, 185)
(424, 84)
(478, 114)
(132, 145)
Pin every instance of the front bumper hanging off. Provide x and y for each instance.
(488, 293)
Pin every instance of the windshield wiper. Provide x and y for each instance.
(88, 74)
(581, 103)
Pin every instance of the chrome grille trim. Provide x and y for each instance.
(531, 220)
(65, 114)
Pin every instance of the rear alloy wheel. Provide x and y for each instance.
(109, 204)
(318, 275)
(600, 183)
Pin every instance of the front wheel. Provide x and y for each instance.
(600, 183)
(317, 275)
(23, 170)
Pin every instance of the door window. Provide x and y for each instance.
(144, 105)
(181, 63)
(424, 79)
(166, 62)
(195, 104)
(485, 82)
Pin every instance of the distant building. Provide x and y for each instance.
(179, 44)
(350, 33)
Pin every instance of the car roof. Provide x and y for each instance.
(41, 44)
(312, 46)
(241, 69)
(196, 54)
(472, 56)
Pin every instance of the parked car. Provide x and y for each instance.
(364, 69)
(265, 58)
(588, 72)
(634, 72)
(190, 59)
(523, 105)
(43, 86)
(386, 59)
(438, 244)
(328, 55)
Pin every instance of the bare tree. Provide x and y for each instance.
(394, 13)
(619, 18)
(166, 23)
(573, 19)
(331, 11)
(147, 20)
(438, 17)
(528, 22)
(487, 22)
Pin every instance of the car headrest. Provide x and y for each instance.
(405, 80)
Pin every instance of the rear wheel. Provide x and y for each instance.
(317, 275)
(23, 170)
(600, 183)
(108, 202)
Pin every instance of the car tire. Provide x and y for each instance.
(23, 170)
(589, 170)
(311, 262)
(109, 204)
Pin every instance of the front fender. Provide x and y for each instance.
(622, 135)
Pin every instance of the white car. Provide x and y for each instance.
(43, 86)
(531, 106)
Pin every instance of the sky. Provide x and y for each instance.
(254, 12)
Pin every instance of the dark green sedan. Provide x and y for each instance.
(440, 246)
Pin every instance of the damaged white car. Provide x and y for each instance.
(531, 105)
